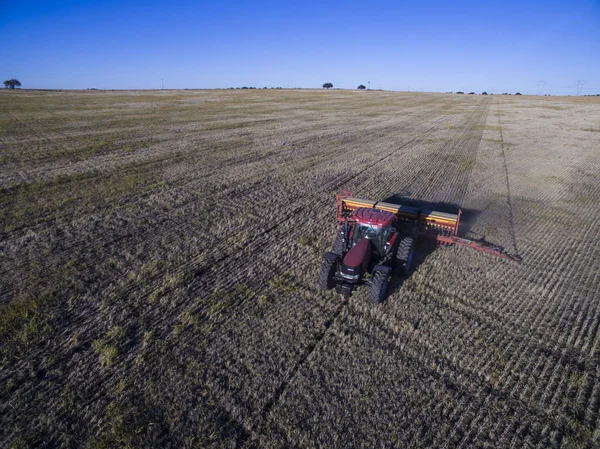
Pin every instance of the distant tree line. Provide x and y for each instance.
(483, 93)
(330, 85)
(325, 86)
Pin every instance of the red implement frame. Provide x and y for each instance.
(442, 234)
(340, 212)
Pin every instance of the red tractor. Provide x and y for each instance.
(378, 238)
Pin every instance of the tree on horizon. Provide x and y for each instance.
(10, 84)
(327, 86)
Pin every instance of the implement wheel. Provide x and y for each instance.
(404, 255)
(379, 285)
(328, 269)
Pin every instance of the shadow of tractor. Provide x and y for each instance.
(425, 246)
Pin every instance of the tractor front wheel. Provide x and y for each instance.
(326, 281)
(379, 285)
(338, 245)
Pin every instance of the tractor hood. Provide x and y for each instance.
(359, 255)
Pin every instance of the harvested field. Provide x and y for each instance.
(160, 254)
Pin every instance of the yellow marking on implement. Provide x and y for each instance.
(441, 215)
(389, 207)
(405, 211)
(439, 218)
(355, 203)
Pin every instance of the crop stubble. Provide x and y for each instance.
(193, 223)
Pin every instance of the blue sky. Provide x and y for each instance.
(496, 46)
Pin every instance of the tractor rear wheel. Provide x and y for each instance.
(326, 281)
(379, 284)
(404, 255)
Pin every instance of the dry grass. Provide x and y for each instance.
(160, 252)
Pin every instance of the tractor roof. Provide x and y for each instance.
(374, 217)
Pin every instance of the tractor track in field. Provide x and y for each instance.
(523, 317)
(24, 125)
(527, 344)
(436, 165)
(537, 313)
(508, 192)
(566, 314)
(309, 351)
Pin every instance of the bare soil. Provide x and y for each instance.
(159, 255)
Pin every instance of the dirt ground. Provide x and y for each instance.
(159, 256)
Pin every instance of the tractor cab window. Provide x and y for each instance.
(363, 231)
(386, 234)
(373, 233)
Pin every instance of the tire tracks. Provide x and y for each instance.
(511, 217)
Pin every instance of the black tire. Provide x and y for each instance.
(404, 255)
(379, 284)
(338, 244)
(326, 281)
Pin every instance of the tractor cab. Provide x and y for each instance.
(374, 225)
